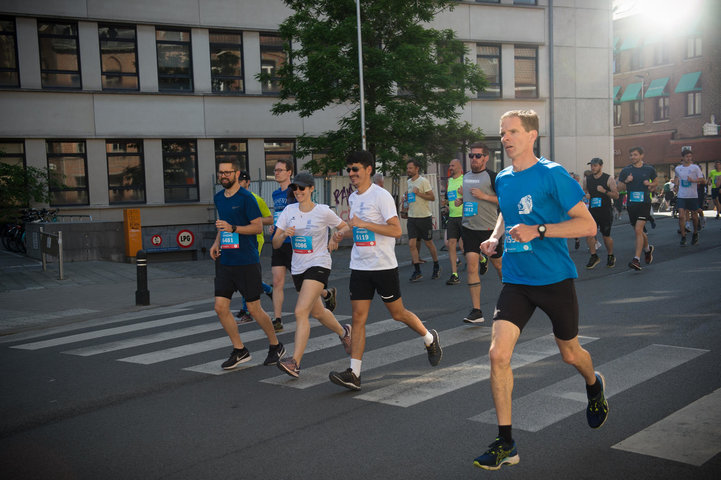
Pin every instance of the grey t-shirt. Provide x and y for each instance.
(479, 214)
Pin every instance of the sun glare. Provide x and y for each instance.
(665, 16)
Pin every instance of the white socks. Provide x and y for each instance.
(428, 338)
(355, 365)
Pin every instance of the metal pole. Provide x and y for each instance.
(142, 295)
(60, 252)
(360, 76)
(42, 251)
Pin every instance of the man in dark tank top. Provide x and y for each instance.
(601, 189)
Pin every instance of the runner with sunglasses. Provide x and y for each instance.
(306, 224)
(374, 267)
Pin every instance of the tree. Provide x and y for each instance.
(416, 80)
(19, 186)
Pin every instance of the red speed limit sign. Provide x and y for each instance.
(156, 240)
(185, 238)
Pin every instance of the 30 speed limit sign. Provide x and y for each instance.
(185, 238)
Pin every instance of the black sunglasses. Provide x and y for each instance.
(352, 169)
(477, 155)
(295, 187)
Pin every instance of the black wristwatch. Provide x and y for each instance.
(542, 230)
(232, 228)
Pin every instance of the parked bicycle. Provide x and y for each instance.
(13, 234)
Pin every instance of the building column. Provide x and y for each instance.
(251, 62)
(97, 171)
(147, 59)
(90, 68)
(201, 60)
(154, 185)
(28, 52)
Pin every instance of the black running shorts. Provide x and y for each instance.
(246, 279)
(364, 284)
(319, 274)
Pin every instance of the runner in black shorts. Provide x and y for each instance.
(455, 218)
(601, 190)
(365, 283)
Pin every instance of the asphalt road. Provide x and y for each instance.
(143, 396)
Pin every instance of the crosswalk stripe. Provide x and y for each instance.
(106, 332)
(412, 391)
(558, 401)
(690, 435)
(314, 344)
(203, 346)
(318, 374)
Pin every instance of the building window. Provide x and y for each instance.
(526, 64)
(118, 57)
(661, 109)
(488, 1)
(180, 171)
(126, 171)
(272, 57)
(232, 150)
(637, 112)
(226, 62)
(67, 164)
(661, 54)
(693, 104)
(617, 115)
(693, 47)
(524, 2)
(488, 59)
(12, 153)
(59, 55)
(175, 67)
(274, 151)
(637, 58)
(9, 76)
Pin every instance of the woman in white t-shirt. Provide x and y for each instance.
(307, 223)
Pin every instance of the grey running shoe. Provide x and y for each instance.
(497, 455)
(597, 410)
(346, 339)
(330, 301)
(435, 352)
(648, 256)
(237, 356)
(634, 264)
(346, 379)
(476, 316)
(278, 325)
(416, 276)
(290, 367)
(275, 353)
(593, 261)
(454, 280)
(611, 261)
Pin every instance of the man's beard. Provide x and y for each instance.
(228, 185)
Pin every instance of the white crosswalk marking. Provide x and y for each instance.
(315, 344)
(690, 435)
(106, 332)
(558, 401)
(318, 374)
(412, 391)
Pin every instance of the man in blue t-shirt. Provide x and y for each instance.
(541, 206)
(237, 265)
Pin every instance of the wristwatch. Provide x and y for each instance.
(542, 230)
(232, 228)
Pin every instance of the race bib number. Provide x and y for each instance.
(686, 183)
(302, 244)
(276, 214)
(637, 196)
(595, 202)
(512, 246)
(452, 195)
(364, 237)
(470, 209)
(229, 240)
(411, 197)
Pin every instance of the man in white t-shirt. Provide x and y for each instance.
(374, 267)
(420, 219)
(688, 176)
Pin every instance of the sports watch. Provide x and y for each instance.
(542, 230)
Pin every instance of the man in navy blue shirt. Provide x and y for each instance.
(235, 251)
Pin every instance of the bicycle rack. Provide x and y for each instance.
(51, 244)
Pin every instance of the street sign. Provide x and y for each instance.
(185, 239)
(156, 240)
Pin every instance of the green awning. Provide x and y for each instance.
(632, 92)
(615, 94)
(657, 88)
(629, 43)
(688, 83)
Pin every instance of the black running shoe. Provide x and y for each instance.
(454, 280)
(436, 272)
(330, 301)
(635, 264)
(611, 261)
(275, 353)
(694, 239)
(597, 410)
(277, 325)
(593, 261)
(649, 255)
(416, 276)
(484, 265)
(346, 379)
(497, 455)
(237, 357)
(683, 241)
(435, 352)
(476, 316)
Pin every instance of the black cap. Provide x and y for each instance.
(685, 150)
(595, 161)
(304, 179)
(244, 176)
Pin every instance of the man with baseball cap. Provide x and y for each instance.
(600, 188)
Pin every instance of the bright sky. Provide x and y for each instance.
(661, 14)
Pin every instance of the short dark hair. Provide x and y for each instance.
(415, 162)
(360, 156)
(287, 162)
(480, 145)
(235, 163)
(636, 149)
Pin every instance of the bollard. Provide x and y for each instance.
(142, 295)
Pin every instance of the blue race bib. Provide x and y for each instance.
(452, 195)
(276, 214)
(229, 240)
(637, 196)
(512, 246)
(470, 209)
(686, 183)
(302, 244)
(363, 237)
(411, 197)
(596, 202)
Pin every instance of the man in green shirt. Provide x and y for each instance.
(715, 178)
(455, 217)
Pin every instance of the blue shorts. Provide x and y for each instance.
(687, 204)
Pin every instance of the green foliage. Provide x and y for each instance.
(416, 80)
(19, 186)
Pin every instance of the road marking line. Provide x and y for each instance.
(567, 397)
(415, 390)
(690, 435)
